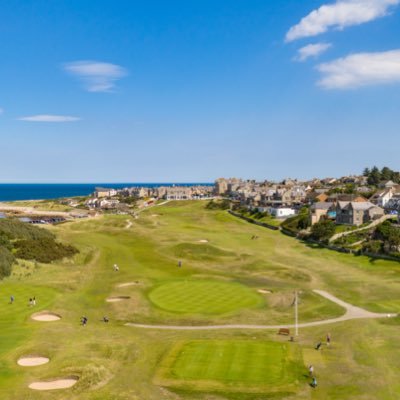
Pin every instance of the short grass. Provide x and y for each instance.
(123, 363)
(204, 297)
(233, 365)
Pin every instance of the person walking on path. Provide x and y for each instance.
(328, 339)
(311, 370)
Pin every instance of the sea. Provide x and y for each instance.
(40, 191)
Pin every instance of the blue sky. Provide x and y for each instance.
(134, 91)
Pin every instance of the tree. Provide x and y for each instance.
(374, 177)
(396, 177)
(323, 230)
(366, 172)
(350, 188)
(386, 174)
(394, 237)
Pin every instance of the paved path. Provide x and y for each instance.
(352, 312)
(364, 228)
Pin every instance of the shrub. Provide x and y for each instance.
(298, 222)
(15, 229)
(323, 230)
(6, 261)
(218, 205)
(373, 246)
(43, 250)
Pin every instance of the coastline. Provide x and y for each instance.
(11, 192)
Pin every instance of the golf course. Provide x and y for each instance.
(193, 313)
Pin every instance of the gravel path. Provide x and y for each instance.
(352, 312)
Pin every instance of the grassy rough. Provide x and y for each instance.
(122, 363)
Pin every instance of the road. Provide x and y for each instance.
(351, 313)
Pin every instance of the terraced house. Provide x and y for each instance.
(357, 213)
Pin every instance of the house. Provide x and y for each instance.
(382, 197)
(103, 192)
(108, 204)
(387, 184)
(357, 213)
(221, 186)
(178, 193)
(321, 209)
(281, 212)
(346, 197)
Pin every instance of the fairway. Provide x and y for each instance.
(219, 364)
(213, 287)
(203, 297)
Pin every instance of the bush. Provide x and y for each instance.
(218, 205)
(15, 229)
(6, 261)
(43, 250)
(298, 222)
(373, 246)
(29, 242)
(5, 241)
(323, 230)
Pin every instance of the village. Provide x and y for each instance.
(350, 200)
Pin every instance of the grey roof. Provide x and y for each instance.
(357, 205)
(362, 205)
(322, 205)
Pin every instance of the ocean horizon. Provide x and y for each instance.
(46, 191)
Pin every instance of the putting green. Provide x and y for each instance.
(204, 297)
(247, 365)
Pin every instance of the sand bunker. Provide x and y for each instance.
(203, 241)
(121, 285)
(46, 316)
(32, 361)
(63, 383)
(117, 298)
(264, 291)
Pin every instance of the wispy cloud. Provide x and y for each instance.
(339, 15)
(362, 69)
(96, 76)
(49, 118)
(312, 50)
(1, 110)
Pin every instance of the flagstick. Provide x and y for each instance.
(296, 314)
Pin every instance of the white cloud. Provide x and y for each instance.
(49, 118)
(1, 110)
(96, 76)
(339, 15)
(312, 50)
(361, 69)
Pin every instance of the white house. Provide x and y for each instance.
(382, 197)
(282, 212)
